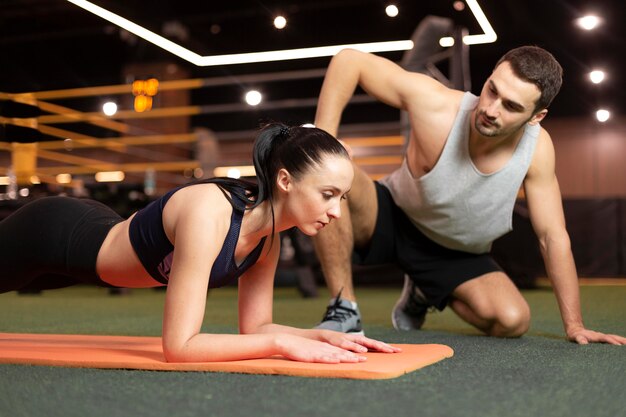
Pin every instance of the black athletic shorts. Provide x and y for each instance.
(53, 242)
(435, 269)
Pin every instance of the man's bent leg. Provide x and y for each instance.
(334, 245)
(493, 304)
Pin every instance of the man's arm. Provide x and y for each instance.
(380, 78)
(546, 214)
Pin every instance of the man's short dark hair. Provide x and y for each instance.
(538, 66)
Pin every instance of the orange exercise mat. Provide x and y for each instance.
(130, 352)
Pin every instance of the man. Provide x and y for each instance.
(437, 215)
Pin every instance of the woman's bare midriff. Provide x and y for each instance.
(117, 263)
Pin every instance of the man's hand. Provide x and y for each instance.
(584, 336)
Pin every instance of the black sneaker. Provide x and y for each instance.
(410, 310)
(341, 317)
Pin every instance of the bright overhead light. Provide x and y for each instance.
(596, 76)
(391, 10)
(253, 97)
(315, 52)
(446, 42)
(109, 108)
(489, 35)
(280, 22)
(603, 115)
(138, 30)
(231, 59)
(588, 22)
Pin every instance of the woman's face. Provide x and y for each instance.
(314, 199)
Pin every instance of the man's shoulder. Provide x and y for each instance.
(544, 140)
(444, 100)
(543, 157)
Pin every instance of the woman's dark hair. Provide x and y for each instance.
(536, 65)
(298, 149)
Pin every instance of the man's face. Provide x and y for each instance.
(506, 104)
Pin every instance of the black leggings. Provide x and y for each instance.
(53, 242)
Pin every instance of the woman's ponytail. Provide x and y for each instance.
(264, 158)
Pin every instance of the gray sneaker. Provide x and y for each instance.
(410, 310)
(341, 317)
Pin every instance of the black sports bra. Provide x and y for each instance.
(155, 251)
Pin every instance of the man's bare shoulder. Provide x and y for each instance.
(435, 97)
(543, 158)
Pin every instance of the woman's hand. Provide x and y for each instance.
(355, 342)
(307, 350)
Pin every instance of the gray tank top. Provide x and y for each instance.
(455, 204)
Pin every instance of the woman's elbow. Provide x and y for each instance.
(172, 354)
(176, 351)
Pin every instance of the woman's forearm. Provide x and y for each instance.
(222, 347)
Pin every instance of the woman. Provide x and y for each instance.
(198, 236)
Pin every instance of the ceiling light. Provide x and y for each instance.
(603, 115)
(231, 59)
(109, 108)
(138, 30)
(315, 52)
(391, 10)
(446, 42)
(596, 76)
(280, 22)
(588, 22)
(489, 35)
(253, 97)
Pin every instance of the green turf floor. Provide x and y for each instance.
(538, 375)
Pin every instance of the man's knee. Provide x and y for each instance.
(511, 321)
(493, 304)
